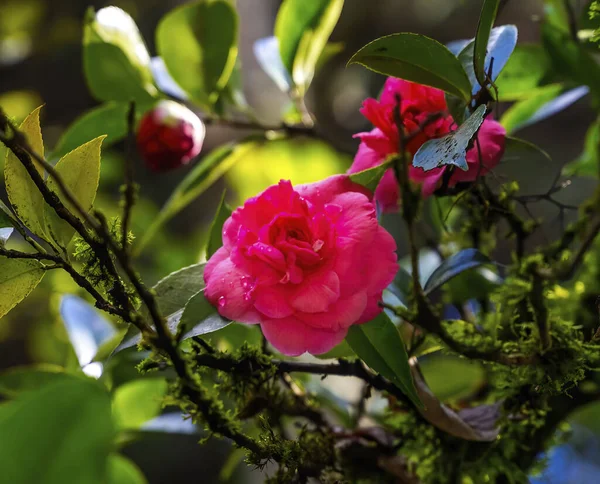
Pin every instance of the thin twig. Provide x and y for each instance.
(129, 190)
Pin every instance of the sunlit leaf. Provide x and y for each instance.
(80, 172)
(198, 43)
(24, 197)
(7, 222)
(379, 345)
(215, 239)
(138, 401)
(18, 277)
(122, 470)
(164, 81)
(524, 71)
(19, 379)
(415, 58)
(451, 377)
(303, 28)
(73, 429)
(116, 62)
(520, 113)
(452, 148)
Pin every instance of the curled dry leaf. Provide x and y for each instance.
(476, 423)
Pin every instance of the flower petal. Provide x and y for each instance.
(225, 290)
(323, 192)
(272, 301)
(317, 292)
(293, 338)
(340, 315)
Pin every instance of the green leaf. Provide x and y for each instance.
(524, 71)
(519, 113)
(379, 345)
(588, 162)
(122, 470)
(371, 177)
(215, 239)
(175, 290)
(116, 62)
(60, 433)
(416, 58)
(206, 172)
(198, 43)
(487, 17)
(501, 43)
(108, 119)
(23, 194)
(80, 171)
(342, 350)
(18, 277)
(20, 379)
(452, 148)
(200, 317)
(303, 28)
(455, 264)
(450, 377)
(137, 401)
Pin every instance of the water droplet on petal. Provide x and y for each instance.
(248, 296)
(222, 301)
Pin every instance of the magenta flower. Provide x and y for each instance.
(304, 262)
(418, 103)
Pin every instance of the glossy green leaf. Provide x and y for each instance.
(20, 379)
(523, 73)
(200, 317)
(18, 277)
(198, 43)
(24, 197)
(303, 28)
(379, 345)
(416, 58)
(450, 377)
(108, 119)
(138, 401)
(588, 162)
(60, 433)
(519, 113)
(122, 470)
(116, 62)
(175, 290)
(487, 17)
(206, 172)
(452, 148)
(455, 264)
(371, 177)
(215, 239)
(80, 171)
(472, 284)
(266, 51)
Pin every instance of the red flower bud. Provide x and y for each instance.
(169, 136)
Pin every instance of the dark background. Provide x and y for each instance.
(40, 62)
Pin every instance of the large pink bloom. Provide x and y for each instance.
(418, 102)
(305, 263)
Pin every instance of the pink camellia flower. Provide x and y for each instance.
(304, 262)
(418, 103)
(169, 136)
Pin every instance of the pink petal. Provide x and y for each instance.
(292, 337)
(317, 292)
(323, 192)
(372, 309)
(225, 291)
(272, 301)
(219, 256)
(430, 180)
(387, 193)
(340, 315)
